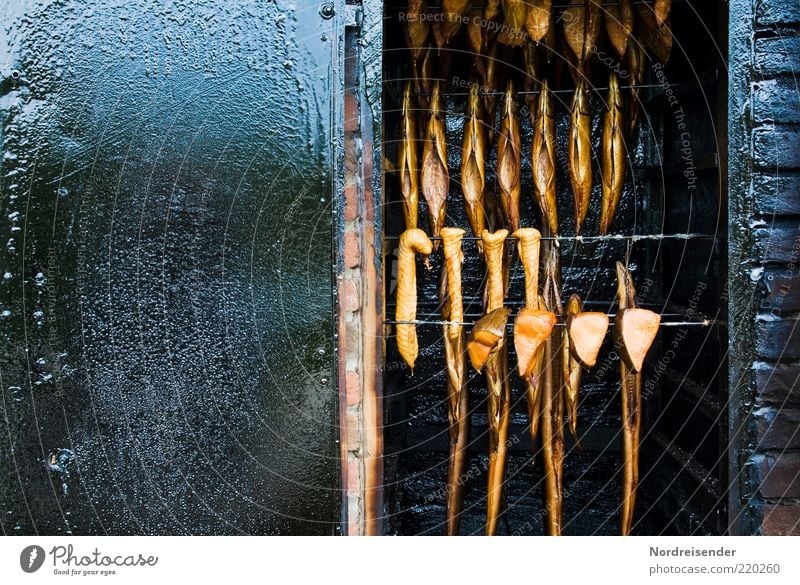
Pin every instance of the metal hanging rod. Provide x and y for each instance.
(534, 91)
(610, 237)
(703, 323)
(556, 4)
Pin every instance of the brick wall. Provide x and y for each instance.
(772, 478)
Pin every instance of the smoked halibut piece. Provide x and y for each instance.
(586, 334)
(639, 328)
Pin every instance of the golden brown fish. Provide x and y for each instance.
(407, 162)
(473, 164)
(613, 155)
(434, 175)
(509, 159)
(582, 28)
(490, 81)
(412, 241)
(530, 80)
(635, 64)
(543, 161)
(553, 408)
(619, 24)
(513, 31)
(661, 10)
(417, 27)
(579, 154)
(457, 394)
(532, 326)
(453, 12)
(585, 334)
(537, 20)
(497, 381)
(492, 19)
(656, 37)
(635, 330)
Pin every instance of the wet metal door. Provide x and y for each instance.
(165, 291)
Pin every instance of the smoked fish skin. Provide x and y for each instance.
(509, 159)
(579, 154)
(613, 155)
(407, 164)
(543, 161)
(434, 176)
(473, 164)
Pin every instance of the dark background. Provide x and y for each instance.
(165, 304)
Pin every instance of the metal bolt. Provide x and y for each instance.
(327, 10)
(15, 75)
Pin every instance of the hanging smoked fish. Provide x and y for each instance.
(509, 159)
(553, 404)
(579, 154)
(582, 28)
(530, 81)
(613, 156)
(533, 325)
(453, 12)
(417, 28)
(457, 394)
(513, 31)
(586, 332)
(661, 10)
(491, 86)
(656, 37)
(412, 241)
(489, 333)
(492, 17)
(635, 330)
(407, 162)
(537, 19)
(619, 24)
(473, 164)
(543, 161)
(434, 175)
(635, 66)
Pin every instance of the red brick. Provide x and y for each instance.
(350, 202)
(353, 388)
(352, 430)
(350, 300)
(779, 475)
(777, 429)
(781, 520)
(353, 477)
(350, 113)
(352, 255)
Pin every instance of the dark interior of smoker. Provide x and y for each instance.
(683, 457)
